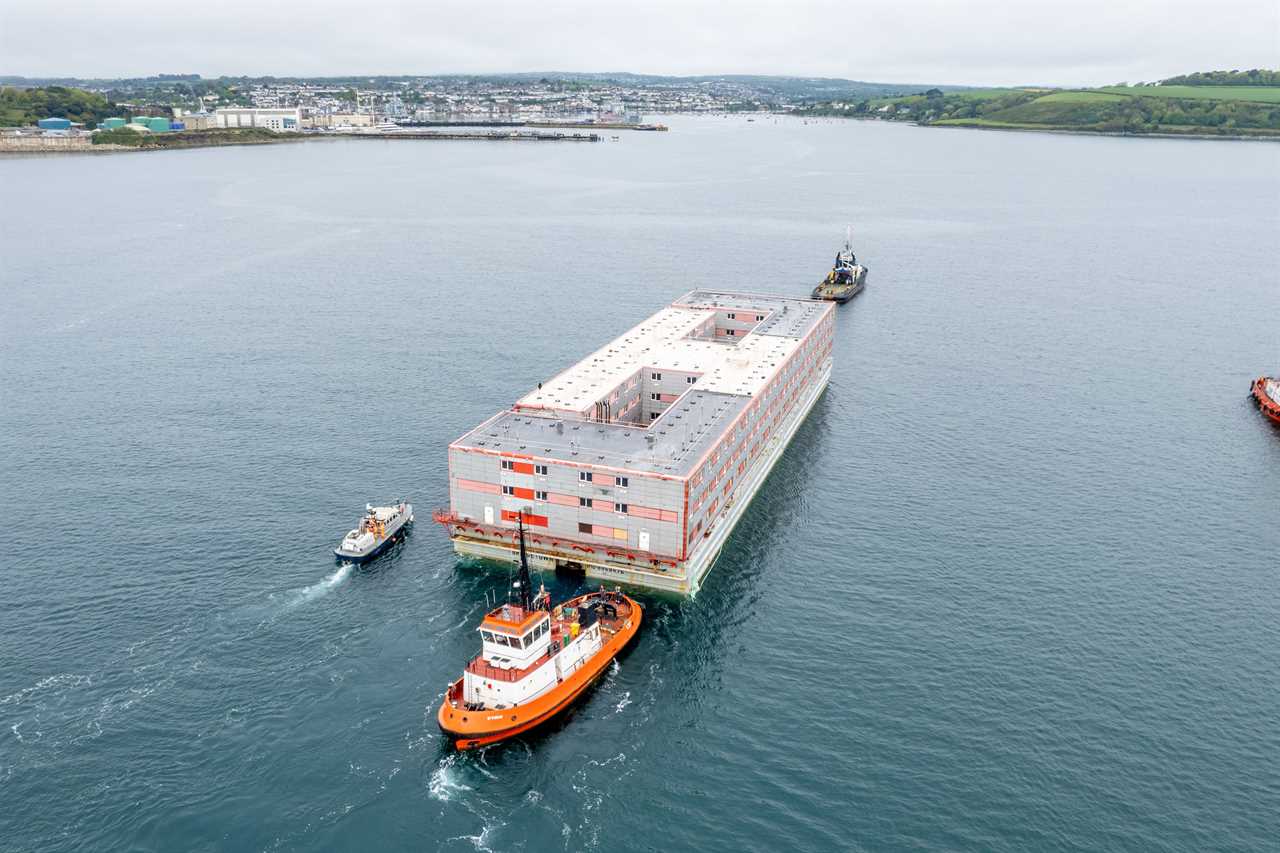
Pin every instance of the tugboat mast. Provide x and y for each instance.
(525, 584)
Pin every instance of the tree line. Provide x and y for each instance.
(1252, 77)
(22, 107)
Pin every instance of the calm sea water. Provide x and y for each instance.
(1013, 587)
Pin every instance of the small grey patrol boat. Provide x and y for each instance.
(379, 528)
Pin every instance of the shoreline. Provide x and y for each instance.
(1238, 137)
(32, 145)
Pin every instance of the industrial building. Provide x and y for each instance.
(635, 464)
(280, 119)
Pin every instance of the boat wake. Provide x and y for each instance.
(316, 590)
(444, 783)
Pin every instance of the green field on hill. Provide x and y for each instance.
(1259, 94)
(1218, 109)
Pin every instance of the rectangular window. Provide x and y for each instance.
(508, 465)
(759, 318)
(691, 379)
(656, 377)
(655, 396)
(584, 476)
(621, 481)
(583, 527)
(730, 332)
(732, 316)
(584, 502)
(620, 508)
(653, 416)
(540, 470)
(507, 490)
(539, 496)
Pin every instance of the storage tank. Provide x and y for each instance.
(112, 123)
(158, 125)
(54, 124)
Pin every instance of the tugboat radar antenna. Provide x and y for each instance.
(525, 584)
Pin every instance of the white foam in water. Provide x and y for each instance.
(316, 590)
(444, 784)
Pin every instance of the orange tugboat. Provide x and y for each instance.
(1266, 390)
(535, 660)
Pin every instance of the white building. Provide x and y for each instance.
(279, 119)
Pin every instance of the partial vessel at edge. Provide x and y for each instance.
(1266, 390)
(847, 277)
(535, 660)
(380, 526)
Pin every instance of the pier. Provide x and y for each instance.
(492, 135)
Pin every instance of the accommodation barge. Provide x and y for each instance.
(635, 464)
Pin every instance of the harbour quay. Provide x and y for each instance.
(635, 464)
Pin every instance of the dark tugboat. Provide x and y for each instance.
(847, 277)
(535, 660)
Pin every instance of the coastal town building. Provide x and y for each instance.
(281, 119)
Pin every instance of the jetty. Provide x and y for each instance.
(490, 135)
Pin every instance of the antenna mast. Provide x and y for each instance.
(525, 584)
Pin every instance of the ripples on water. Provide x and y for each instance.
(1012, 587)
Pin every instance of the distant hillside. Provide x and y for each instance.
(1226, 108)
(781, 89)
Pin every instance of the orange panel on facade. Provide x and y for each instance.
(522, 467)
(531, 520)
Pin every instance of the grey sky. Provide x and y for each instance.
(1084, 42)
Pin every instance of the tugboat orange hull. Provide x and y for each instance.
(1270, 407)
(470, 729)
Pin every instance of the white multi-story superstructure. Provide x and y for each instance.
(636, 463)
